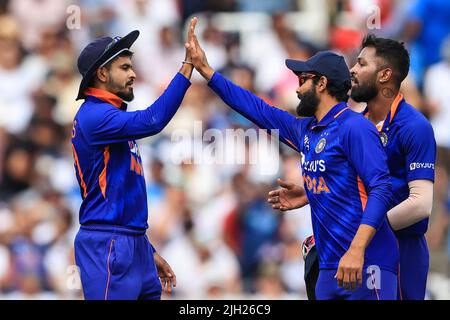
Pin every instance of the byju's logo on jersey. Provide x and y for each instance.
(384, 138)
(321, 145)
(418, 165)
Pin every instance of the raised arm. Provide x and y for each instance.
(114, 125)
(246, 103)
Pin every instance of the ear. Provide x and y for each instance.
(322, 84)
(102, 74)
(384, 75)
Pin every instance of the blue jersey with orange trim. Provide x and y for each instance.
(408, 140)
(345, 173)
(108, 165)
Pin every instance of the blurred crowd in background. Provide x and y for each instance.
(211, 222)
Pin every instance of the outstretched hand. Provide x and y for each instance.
(289, 197)
(196, 54)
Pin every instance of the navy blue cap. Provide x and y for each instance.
(326, 63)
(98, 53)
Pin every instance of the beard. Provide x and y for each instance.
(122, 91)
(309, 102)
(364, 92)
(126, 95)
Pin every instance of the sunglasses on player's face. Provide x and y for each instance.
(303, 77)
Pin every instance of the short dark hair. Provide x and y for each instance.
(340, 93)
(393, 52)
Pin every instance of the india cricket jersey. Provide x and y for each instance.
(107, 161)
(408, 140)
(344, 169)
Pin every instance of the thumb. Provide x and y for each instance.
(285, 184)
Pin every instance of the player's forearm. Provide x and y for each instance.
(206, 72)
(253, 107)
(415, 208)
(165, 107)
(363, 237)
(378, 204)
(186, 70)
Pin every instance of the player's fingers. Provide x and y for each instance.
(275, 199)
(191, 31)
(169, 286)
(352, 280)
(274, 193)
(197, 45)
(276, 206)
(359, 278)
(339, 276)
(174, 280)
(346, 280)
(161, 279)
(285, 184)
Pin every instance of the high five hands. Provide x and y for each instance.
(196, 54)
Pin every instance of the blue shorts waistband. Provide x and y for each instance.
(113, 229)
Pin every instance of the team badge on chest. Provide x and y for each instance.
(321, 145)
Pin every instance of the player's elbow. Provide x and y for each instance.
(425, 208)
(423, 202)
(384, 193)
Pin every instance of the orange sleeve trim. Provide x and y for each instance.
(362, 193)
(104, 96)
(292, 144)
(80, 173)
(102, 179)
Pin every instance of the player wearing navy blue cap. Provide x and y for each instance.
(408, 140)
(115, 257)
(344, 169)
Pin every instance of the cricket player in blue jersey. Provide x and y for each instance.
(345, 173)
(112, 251)
(408, 140)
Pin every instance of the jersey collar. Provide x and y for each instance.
(390, 116)
(334, 112)
(106, 96)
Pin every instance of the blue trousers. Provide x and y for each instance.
(414, 265)
(116, 263)
(382, 285)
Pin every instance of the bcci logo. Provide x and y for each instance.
(384, 138)
(306, 143)
(321, 145)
